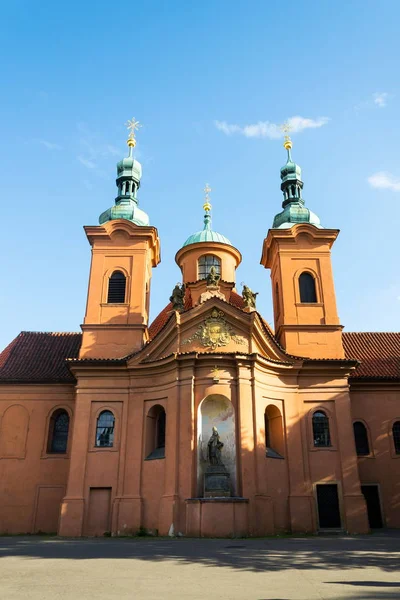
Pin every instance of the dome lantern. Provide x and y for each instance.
(294, 209)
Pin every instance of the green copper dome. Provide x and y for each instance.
(129, 173)
(295, 213)
(207, 234)
(294, 210)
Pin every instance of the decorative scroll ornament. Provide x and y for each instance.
(215, 332)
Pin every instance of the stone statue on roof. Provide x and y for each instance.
(249, 297)
(178, 297)
(213, 277)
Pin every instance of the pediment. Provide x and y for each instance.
(214, 326)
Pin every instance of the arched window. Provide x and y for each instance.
(273, 432)
(206, 262)
(320, 425)
(307, 288)
(396, 436)
(116, 288)
(57, 440)
(361, 438)
(155, 433)
(105, 429)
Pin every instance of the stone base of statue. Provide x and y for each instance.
(217, 482)
(248, 309)
(212, 292)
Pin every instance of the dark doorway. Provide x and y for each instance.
(371, 495)
(328, 506)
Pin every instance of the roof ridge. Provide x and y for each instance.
(371, 332)
(50, 332)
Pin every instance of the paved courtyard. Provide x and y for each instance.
(44, 568)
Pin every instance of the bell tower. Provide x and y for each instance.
(125, 248)
(297, 250)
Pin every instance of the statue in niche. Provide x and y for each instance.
(213, 277)
(214, 449)
(249, 297)
(178, 297)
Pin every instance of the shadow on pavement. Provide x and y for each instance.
(393, 584)
(257, 555)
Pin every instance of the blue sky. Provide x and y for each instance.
(197, 75)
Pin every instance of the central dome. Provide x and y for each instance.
(207, 234)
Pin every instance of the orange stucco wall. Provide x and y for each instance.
(90, 490)
(279, 492)
(33, 482)
(377, 406)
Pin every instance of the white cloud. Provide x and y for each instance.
(380, 99)
(266, 129)
(377, 100)
(89, 164)
(384, 181)
(49, 145)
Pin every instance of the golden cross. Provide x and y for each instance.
(207, 205)
(132, 125)
(286, 127)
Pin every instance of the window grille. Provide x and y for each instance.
(116, 288)
(206, 262)
(361, 438)
(58, 433)
(105, 429)
(307, 288)
(320, 425)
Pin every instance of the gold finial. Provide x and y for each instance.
(132, 125)
(207, 204)
(285, 128)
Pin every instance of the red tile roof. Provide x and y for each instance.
(236, 300)
(39, 357)
(162, 318)
(378, 352)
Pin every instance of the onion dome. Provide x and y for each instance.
(207, 234)
(294, 210)
(129, 173)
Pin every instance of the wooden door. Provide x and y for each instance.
(99, 511)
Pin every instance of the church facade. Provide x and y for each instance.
(206, 422)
